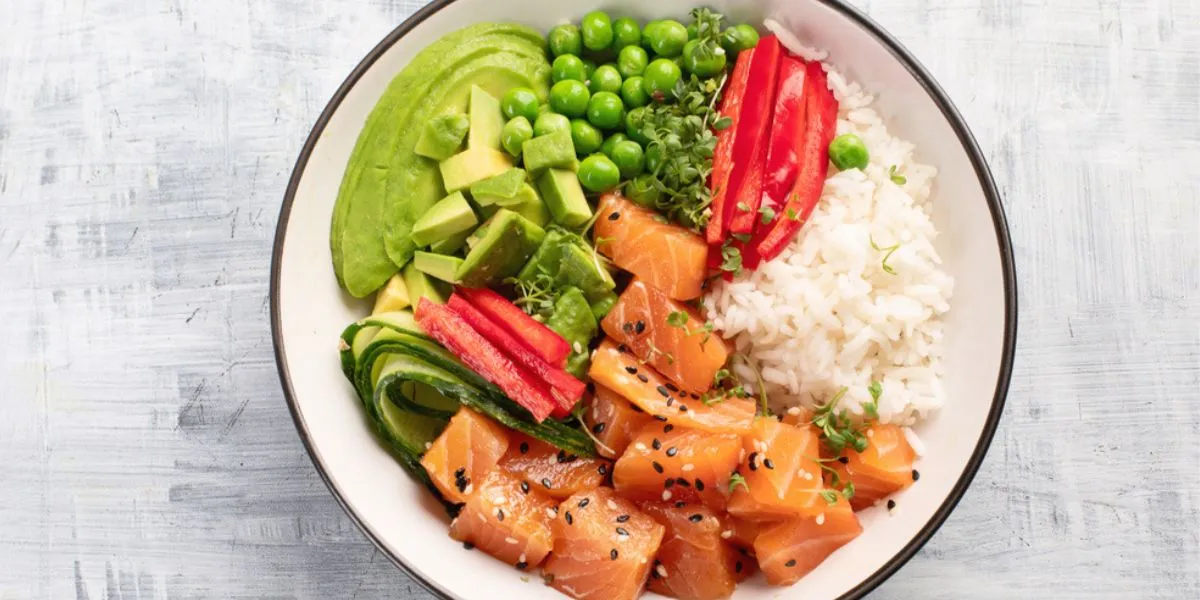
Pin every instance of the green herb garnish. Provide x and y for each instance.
(768, 214)
(792, 214)
(889, 251)
(897, 179)
(871, 409)
(678, 319)
(838, 430)
(731, 260)
(735, 480)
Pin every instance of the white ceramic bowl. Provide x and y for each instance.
(308, 309)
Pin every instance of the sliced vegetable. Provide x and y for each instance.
(573, 319)
(539, 338)
(731, 108)
(787, 137)
(754, 132)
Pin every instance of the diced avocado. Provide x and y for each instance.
(568, 260)
(421, 286)
(486, 120)
(601, 307)
(523, 195)
(438, 266)
(450, 245)
(449, 217)
(508, 242)
(572, 318)
(531, 207)
(392, 297)
(499, 189)
(471, 165)
(442, 137)
(553, 150)
(564, 197)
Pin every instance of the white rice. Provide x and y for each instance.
(826, 314)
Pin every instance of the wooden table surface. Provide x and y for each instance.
(145, 448)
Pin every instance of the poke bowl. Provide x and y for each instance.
(601, 299)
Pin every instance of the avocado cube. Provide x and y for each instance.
(569, 261)
(486, 120)
(564, 197)
(438, 266)
(553, 150)
(531, 206)
(499, 253)
(393, 296)
(450, 245)
(421, 286)
(452, 215)
(499, 189)
(442, 137)
(471, 165)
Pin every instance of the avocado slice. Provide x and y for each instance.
(531, 206)
(507, 242)
(450, 245)
(442, 137)
(392, 297)
(572, 318)
(486, 120)
(553, 150)
(449, 217)
(471, 165)
(499, 189)
(563, 195)
(567, 260)
(421, 286)
(438, 266)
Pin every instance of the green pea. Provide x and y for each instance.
(568, 66)
(669, 38)
(569, 97)
(693, 31)
(514, 134)
(611, 143)
(597, 30)
(660, 78)
(520, 102)
(626, 32)
(550, 123)
(587, 139)
(701, 61)
(634, 121)
(629, 158)
(632, 61)
(605, 79)
(739, 38)
(654, 158)
(589, 66)
(847, 151)
(633, 92)
(605, 110)
(652, 26)
(598, 173)
(565, 39)
(643, 190)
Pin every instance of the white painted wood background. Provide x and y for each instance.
(145, 449)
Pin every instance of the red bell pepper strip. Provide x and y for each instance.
(537, 337)
(565, 389)
(731, 107)
(753, 136)
(821, 126)
(451, 331)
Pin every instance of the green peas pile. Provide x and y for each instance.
(604, 105)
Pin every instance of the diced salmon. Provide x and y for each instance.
(884, 468)
(464, 453)
(508, 521)
(782, 473)
(552, 471)
(666, 463)
(603, 547)
(694, 562)
(647, 322)
(741, 532)
(798, 416)
(639, 240)
(791, 549)
(614, 421)
(619, 370)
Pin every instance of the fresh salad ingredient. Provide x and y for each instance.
(598, 173)
(514, 134)
(739, 38)
(487, 118)
(786, 143)
(551, 471)
(393, 296)
(564, 197)
(694, 562)
(667, 38)
(502, 190)
(554, 150)
(439, 266)
(626, 33)
(676, 464)
(753, 136)
(629, 158)
(419, 286)
(443, 137)
(565, 39)
(550, 346)
(471, 165)
(782, 473)
(563, 261)
(569, 97)
(791, 549)
(499, 249)
(520, 102)
(508, 521)
(614, 422)
(847, 151)
(568, 66)
(723, 161)
(450, 216)
(463, 455)
(664, 255)
(632, 61)
(548, 123)
(606, 78)
(572, 318)
(597, 29)
(881, 469)
(605, 109)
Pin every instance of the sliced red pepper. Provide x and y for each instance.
(451, 331)
(753, 136)
(564, 387)
(821, 126)
(731, 107)
(537, 337)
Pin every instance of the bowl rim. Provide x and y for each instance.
(948, 110)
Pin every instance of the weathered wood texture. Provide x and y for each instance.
(146, 450)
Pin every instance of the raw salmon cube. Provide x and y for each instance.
(508, 521)
(464, 453)
(614, 421)
(666, 463)
(791, 549)
(694, 562)
(551, 471)
(782, 473)
(884, 468)
(667, 256)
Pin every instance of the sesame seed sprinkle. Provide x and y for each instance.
(657, 467)
(687, 468)
(790, 563)
(768, 464)
(666, 496)
(622, 518)
(728, 533)
(512, 541)
(820, 519)
(643, 378)
(661, 570)
(657, 445)
(613, 506)
(598, 428)
(672, 451)
(613, 554)
(663, 392)
(696, 518)
(583, 503)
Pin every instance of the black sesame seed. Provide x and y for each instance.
(669, 483)
(844, 460)
(672, 451)
(525, 487)
(671, 386)
(670, 401)
(614, 216)
(622, 348)
(598, 428)
(737, 567)
(657, 467)
(790, 563)
(643, 378)
(468, 545)
(695, 397)
(660, 418)
(696, 518)
(891, 504)
(682, 394)
(546, 483)
(622, 531)
(768, 464)
(499, 514)
(583, 503)
(622, 518)
(460, 473)
(636, 408)
(663, 391)
(524, 447)
(613, 554)
(683, 482)
(590, 387)
(631, 370)
(627, 327)
(462, 484)
(562, 456)
(521, 566)
(753, 463)
(683, 408)
(569, 518)
(656, 444)
(699, 485)
(916, 475)
(602, 469)
(680, 504)
(668, 428)
(640, 326)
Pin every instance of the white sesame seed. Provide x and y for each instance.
(808, 476)
(666, 496)
(661, 570)
(687, 468)
(467, 490)
(521, 558)
(728, 533)
(794, 411)
(870, 433)
(640, 446)
(623, 380)
(428, 445)
(550, 512)
(577, 347)
(821, 519)
(481, 517)
(611, 505)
